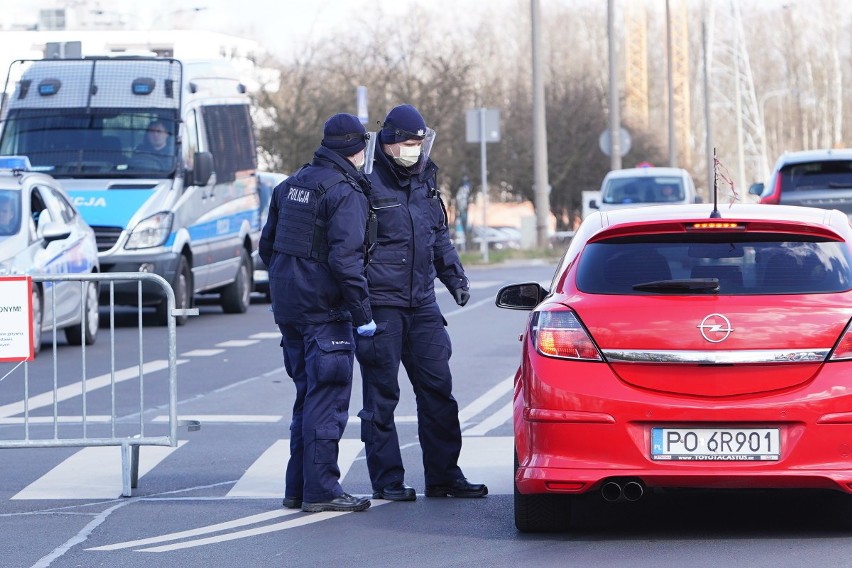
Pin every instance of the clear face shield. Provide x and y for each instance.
(369, 151)
(425, 150)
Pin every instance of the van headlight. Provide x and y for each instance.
(151, 232)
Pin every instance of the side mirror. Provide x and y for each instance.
(593, 204)
(520, 296)
(53, 231)
(755, 188)
(202, 169)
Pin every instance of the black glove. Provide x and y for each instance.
(461, 295)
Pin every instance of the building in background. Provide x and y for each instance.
(82, 28)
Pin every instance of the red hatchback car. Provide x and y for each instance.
(676, 349)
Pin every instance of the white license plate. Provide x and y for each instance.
(715, 444)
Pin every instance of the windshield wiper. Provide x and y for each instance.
(684, 285)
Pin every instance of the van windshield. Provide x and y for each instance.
(94, 142)
(657, 189)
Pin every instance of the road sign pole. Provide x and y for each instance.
(483, 161)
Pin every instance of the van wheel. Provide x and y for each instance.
(89, 332)
(183, 295)
(38, 312)
(236, 296)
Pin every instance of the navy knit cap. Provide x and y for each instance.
(343, 133)
(403, 123)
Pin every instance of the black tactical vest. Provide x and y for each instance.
(301, 232)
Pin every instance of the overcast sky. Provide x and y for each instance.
(278, 25)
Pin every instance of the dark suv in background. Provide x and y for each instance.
(811, 178)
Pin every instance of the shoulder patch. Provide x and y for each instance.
(299, 195)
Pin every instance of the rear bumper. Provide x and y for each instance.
(532, 480)
(589, 437)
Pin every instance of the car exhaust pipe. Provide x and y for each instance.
(633, 490)
(612, 491)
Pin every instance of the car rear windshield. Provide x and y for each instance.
(735, 264)
(829, 174)
(658, 189)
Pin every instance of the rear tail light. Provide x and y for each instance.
(843, 349)
(560, 334)
(774, 197)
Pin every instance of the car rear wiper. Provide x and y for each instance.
(683, 285)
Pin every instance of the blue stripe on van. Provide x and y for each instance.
(218, 228)
(109, 208)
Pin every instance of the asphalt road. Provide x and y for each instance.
(215, 500)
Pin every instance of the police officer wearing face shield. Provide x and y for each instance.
(411, 248)
(313, 243)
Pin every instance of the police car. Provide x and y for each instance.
(42, 233)
(266, 182)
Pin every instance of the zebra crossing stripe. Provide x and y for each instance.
(91, 473)
(95, 473)
(265, 477)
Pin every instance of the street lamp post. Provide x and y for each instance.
(542, 186)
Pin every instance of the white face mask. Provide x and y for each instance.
(408, 155)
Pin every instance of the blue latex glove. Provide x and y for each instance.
(367, 330)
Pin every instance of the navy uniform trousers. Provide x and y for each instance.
(418, 338)
(319, 358)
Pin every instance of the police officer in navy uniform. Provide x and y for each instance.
(412, 247)
(313, 243)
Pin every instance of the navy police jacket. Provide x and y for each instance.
(413, 244)
(329, 286)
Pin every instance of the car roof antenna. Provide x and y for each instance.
(715, 213)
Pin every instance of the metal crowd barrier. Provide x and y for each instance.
(23, 425)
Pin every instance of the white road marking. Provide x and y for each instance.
(224, 418)
(494, 421)
(492, 395)
(95, 472)
(469, 307)
(403, 419)
(474, 285)
(300, 522)
(250, 520)
(237, 343)
(91, 473)
(202, 352)
(265, 477)
(266, 335)
(490, 461)
(76, 389)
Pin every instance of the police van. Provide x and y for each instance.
(159, 157)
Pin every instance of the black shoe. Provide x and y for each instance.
(343, 503)
(292, 502)
(458, 488)
(397, 491)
